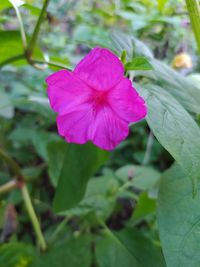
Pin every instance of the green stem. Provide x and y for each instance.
(194, 14)
(50, 63)
(58, 230)
(148, 151)
(13, 165)
(36, 31)
(8, 186)
(11, 60)
(20, 182)
(33, 217)
(22, 31)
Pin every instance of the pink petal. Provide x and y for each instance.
(100, 69)
(126, 102)
(108, 129)
(66, 90)
(76, 124)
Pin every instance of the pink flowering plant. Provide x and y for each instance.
(95, 102)
(99, 136)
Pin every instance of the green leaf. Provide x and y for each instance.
(56, 156)
(161, 4)
(144, 178)
(100, 197)
(178, 219)
(75, 252)
(16, 254)
(127, 248)
(146, 206)
(123, 57)
(6, 107)
(5, 4)
(174, 128)
(132, 45)
(184, 90)
(11, 44)
(80, 162)
(139, 63)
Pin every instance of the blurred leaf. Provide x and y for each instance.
(178, 219)
(92, 36)
(142, 177)
(56, 156)
(75, 252)
(174, 128)
(145, 206)
(6, 107)
(100, 197)
(194, 79)
(185, 91)
(161, 4)
(128, 248)
(138, 63)
(5, 4)
(130, 44)
(16, 254)
(38, 138)
(11, 44)
(80, 162)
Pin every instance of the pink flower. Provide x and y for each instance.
(95, 102)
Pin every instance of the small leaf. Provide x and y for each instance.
(123, 57)
(81, 161)
(139, 63)
(142, 177)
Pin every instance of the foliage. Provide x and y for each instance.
(136, 206)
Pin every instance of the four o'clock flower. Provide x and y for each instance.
(95, 102)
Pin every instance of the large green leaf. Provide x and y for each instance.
(75, 252)
(127, 248)
(11, 44)
(16, 254)
(184, 90)
(80, 162)
(179, 220)
(100, 198)
(174, 128)
(56, 156)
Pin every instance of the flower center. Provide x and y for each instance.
(99, 99)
